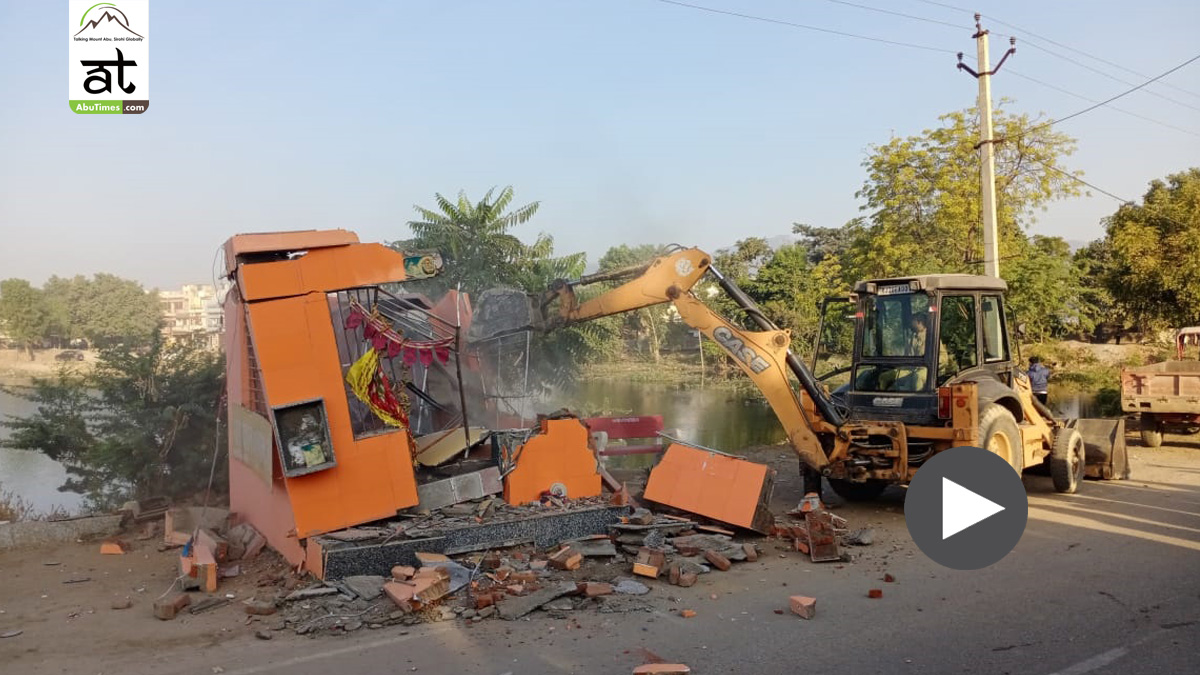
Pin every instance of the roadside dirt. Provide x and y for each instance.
(16, 368)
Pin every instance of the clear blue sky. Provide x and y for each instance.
(632, 121)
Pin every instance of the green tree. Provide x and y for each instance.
(1044, 289)
(141, 424)
(68, 300)
(114, 310)
(1156, 253)
(476, 242)
(923, 198)
(24, 313)
(1100, 313)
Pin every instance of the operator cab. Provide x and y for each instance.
(887, 350)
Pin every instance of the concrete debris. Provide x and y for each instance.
(358, 534)
(626, 586)
(863, 537)
(598, 548)
(310, 593)
(259, 607)
(124, 603)
(263, 635)
(515, 608)
(365, 587)
(641, 517)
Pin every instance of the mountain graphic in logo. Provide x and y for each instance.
(109, 15)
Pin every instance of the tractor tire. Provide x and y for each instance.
(852, 491)
(1068, 459)
(1151, 430)
(1000, 435)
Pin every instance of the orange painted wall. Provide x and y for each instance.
(297, 353)
(559, 454)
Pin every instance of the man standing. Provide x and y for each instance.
(1039, 379)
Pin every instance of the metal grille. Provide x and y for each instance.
(258, 396)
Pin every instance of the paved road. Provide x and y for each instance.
(1102, 582)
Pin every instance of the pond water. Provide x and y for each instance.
(29, 475)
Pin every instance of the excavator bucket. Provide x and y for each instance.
(1104, 440)
(504, 311)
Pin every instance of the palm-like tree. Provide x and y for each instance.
(476, 242)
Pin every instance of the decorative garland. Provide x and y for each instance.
(378, 331)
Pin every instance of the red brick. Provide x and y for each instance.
(803, 606)
(167, 608)
(687, 579)
(687, 613)
(401, 594)
(523, 577)
(673, 574)
(751, 552)
(113, 547)
(566, 558)
(801, 546)
(516, 589)
(718, 561)
(875, 593)
(593, 589)
(644, 570)
(889, 578)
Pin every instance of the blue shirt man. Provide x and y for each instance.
(1039, 379)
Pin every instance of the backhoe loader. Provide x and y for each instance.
(931, 368)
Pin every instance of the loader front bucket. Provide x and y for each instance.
(1104, 440)
(504, 311)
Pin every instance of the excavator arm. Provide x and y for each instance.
(763, 355)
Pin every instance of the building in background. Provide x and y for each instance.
(193, 312)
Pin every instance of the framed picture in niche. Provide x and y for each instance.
(303, 433)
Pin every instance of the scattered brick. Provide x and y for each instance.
(803, 606)
(779, 611)
(401, 594)
(688, 579)
(687, 613)
(875, 593)
(566, 558)
(538, 565)
(594, 589)
(168, 608)
(673, 574)
(801, 546)
(889, 578)
(516, 589)
(718, 561)
(751, 552)
(403, 572)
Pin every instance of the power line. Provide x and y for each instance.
(955, 26)
(1111, 77)
(802, 26)
(1060, 44)
(1108, 100)
(1092, 100)
(1124, 202)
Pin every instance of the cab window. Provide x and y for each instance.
(958, 348)
(995, 347)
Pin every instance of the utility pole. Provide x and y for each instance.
(987, 155)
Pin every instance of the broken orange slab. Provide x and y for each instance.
(556, 456)
(112, 548)
(714, 485)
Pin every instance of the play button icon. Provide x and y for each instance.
(966, 508)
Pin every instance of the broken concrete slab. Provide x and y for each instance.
(461, 488)
(365, 586)
(863, 537)
(309, 593)
(594, 548)
(517, 607)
